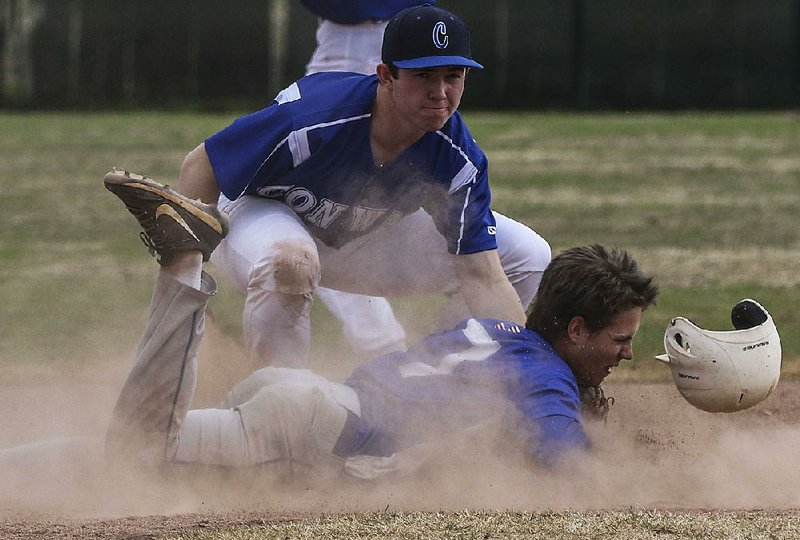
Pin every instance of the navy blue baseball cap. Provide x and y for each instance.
(426, 36)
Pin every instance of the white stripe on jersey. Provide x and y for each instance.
(465, 176)
(298, 143)
(483, 346)
(288, 94)
(462, 178)
(298, 146)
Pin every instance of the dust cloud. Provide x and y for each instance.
(655, 450)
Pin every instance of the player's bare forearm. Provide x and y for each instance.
(486, 289)
(197, 178)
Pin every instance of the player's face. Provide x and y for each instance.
(427, 98)
(597, 352)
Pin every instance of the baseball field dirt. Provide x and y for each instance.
(655, 454)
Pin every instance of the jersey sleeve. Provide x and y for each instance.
(551, 419)
(558, 436)
(260, 149)
(254, 146)
(463, 214)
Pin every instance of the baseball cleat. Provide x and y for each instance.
(172, 222)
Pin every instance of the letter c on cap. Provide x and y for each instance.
(440, 38)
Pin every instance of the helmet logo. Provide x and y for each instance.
(440, 37)
(755, 345)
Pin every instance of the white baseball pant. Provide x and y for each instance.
(347, 47)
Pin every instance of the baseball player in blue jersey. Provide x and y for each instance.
(583, 320)
(324, 187)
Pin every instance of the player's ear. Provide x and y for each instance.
(577, 331)
(384, 74)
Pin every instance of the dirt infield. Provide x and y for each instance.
(655, 451)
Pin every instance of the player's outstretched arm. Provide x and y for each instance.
(485, 287)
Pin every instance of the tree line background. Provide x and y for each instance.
(587, 54)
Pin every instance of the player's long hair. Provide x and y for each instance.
(593, 282)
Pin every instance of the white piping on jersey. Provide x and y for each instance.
(465, 176)
(298, 143)
(467, 173)
(298, 140)
(462, 221)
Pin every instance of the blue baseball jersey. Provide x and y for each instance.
(358, 11)
(454, 380)
(311, 150)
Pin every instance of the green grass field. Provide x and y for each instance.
(709, 203)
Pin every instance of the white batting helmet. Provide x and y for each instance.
(725, 371)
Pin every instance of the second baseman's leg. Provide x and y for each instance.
(369, 322)
(269, 255)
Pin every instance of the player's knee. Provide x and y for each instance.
(261, 378)
(292, 268)
(298, 419)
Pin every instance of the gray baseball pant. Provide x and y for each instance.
(282, 417)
